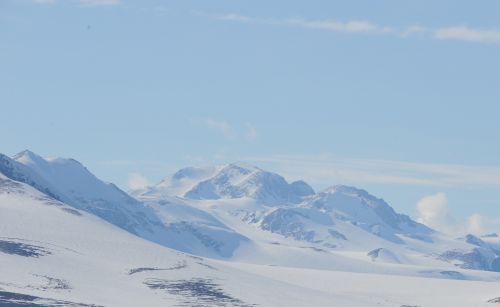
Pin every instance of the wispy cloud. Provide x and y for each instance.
(135, 163)
(221, 127)
(230, 131)
(236, 17)
(412, 30)
(83, 2)
(325, 169)
(99, 2)
(354, 26)
(45, 1)
(350, 26)
(464, 33)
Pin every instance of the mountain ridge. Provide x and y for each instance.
(221, 211)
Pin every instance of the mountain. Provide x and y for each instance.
(225, 212)
(19, 172)
(366, 211)
(55, 255)
(240, 180)
(479, 255)
(178, 184)
(190, 229)
(70, 182)
(67, 180)
(344, 218)
(258, 217)
(69, 239)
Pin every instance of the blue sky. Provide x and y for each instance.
(401, 98)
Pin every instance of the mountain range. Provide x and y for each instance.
(199, 236)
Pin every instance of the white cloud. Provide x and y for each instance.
(433, 211)
(220, 126)
(476, 224)
(137, 181)
(468, 34)
(354, 26)
(463, 33)
(479, 224)
(244, 132)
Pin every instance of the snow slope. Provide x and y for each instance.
(69, 181)
(195, 231)
(177, 184)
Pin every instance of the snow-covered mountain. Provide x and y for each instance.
(361, 208)
(478, 255)
(220, 212)
(55, 255)
(239, 180)
(70, 182)
(271, 214)
(178, 184)
(60, 227)
(341, 205)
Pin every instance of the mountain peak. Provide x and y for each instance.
(352, 192)
(190, 173)
(243, 166)
(361, 207)
(344, 189)
(239, 180)
(302, 188)
(27, 156)
(26, 152)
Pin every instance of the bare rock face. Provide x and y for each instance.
(495, 300)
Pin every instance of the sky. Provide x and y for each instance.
(401, 98)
